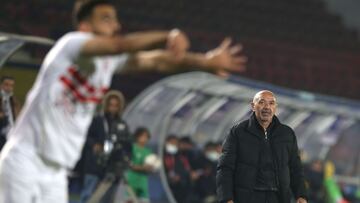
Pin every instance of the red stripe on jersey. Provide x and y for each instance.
(76, 75)
(104, 90)
(77, 95)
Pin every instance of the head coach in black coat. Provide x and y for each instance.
(260, 161)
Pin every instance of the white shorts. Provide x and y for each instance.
(25, 178)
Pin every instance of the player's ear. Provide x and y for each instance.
(84, 26)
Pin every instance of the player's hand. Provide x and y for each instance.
(97, 148)
(226, 58)
(177, 43)
(301, 200)
(230, 201)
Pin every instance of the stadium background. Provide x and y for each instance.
(298, 44)
(308, 45)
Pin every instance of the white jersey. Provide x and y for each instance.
(61, 104)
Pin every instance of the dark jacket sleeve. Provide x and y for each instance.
(297, 180)
(226, 168)
(96, 132)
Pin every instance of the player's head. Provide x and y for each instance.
(7, 84)
(96, 16)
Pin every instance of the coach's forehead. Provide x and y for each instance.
(264, 94)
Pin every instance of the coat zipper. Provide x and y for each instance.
(266, 136)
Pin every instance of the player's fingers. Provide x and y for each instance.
(237, 64)
(170, 45)
(236, 49)
(225, 43)
(240, 59)
(182, 41)
(237, 68)
(180, 44)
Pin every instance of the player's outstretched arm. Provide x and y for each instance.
(177, 42)
(224, 58)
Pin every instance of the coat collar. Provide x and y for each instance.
(256, 129)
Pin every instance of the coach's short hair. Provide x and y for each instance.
(84, 8)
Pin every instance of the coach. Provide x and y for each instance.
(260, 162)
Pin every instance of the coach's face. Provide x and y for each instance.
(104, 20)
(264, 106)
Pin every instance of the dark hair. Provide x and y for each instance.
(84, 8)
(171, 137)
(209, 144)
(139, 131)
(186, 139)
(6, 77)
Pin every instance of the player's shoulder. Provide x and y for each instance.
(73, 37)
(69, 45)
(76, 34)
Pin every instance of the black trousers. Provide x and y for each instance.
(265, 197)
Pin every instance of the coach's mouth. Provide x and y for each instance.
(266, 113)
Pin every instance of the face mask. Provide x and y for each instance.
(171, 149)
(212, 156)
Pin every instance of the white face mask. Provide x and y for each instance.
(212, 155)
(171, 149)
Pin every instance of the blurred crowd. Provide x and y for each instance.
(112, 154)
(111, 150)
(191, 170)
